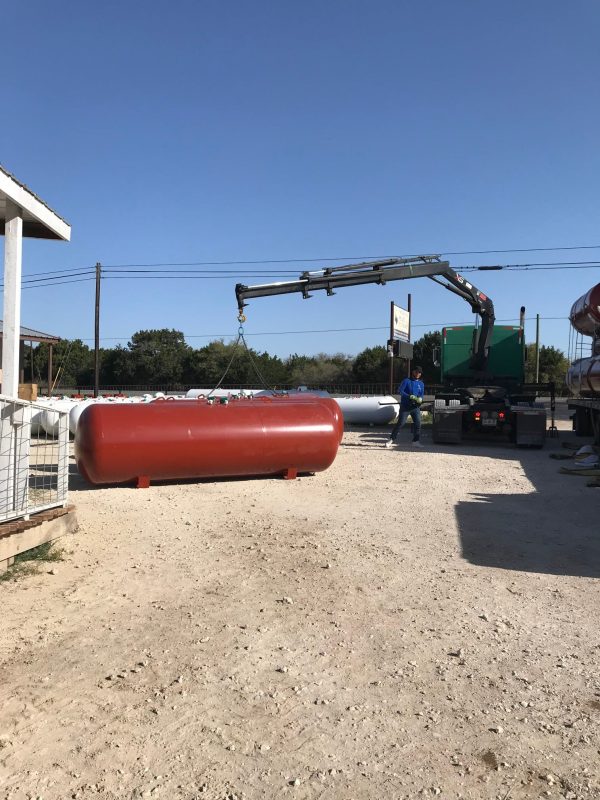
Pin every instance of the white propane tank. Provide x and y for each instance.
(36, 414)
(194, 393)
(50, 416)
(301, 390)
(76, 412)
(368, 410)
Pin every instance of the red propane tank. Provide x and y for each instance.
(585, 312)
(173, 439)
(300, 397)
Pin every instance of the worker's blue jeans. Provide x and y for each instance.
(405, 413)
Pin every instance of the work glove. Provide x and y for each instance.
(416, 400)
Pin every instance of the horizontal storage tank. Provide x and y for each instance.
(369, 410)
(292, 393)
(77, 410)
(50, 416)
(182, 439)
(308, 396)
(37, 412)
(585, 312)
(583, 377)
(194, 393)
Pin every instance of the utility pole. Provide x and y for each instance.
(409, 305)
(97, 334)
(391, 344)
(537, 348)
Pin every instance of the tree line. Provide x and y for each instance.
(162, 358)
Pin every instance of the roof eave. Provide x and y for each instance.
(46, 224)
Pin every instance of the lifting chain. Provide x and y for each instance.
(240, 339)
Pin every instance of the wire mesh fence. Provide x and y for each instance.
(34, 458)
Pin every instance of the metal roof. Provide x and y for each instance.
(31, 335)
(39, 220)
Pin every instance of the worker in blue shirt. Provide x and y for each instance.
(411, 392)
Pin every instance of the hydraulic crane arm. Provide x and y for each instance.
(390, 269)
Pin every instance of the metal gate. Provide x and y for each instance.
(34, 462)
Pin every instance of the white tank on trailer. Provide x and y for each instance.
(583, 376)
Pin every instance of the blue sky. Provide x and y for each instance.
(210, 131)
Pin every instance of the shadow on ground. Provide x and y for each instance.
(552, 529)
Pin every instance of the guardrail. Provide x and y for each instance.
(34, 465)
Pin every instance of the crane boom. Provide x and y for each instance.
(382, 271)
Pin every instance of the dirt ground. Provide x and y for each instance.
(407, 624)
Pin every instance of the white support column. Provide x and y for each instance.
(13, 255)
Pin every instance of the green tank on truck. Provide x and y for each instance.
(492, 404)
(506, 359)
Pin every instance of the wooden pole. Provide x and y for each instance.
(391, 342)
(22, 361)
(409, 324)
(537, 348)
(97, 334)
(50, 351)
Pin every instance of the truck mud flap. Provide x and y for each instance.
(530, 427)
(447, 425)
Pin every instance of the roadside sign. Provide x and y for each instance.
(400, 324)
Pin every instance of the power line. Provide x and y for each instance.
(521, 250)
(66, 270)
(325, 258)
(350, 258)
(56, 277)
(53, 281)
(329, 330)
(62, 283)
(230, 274)
(62, 277)
(187, 277)
(535, 265)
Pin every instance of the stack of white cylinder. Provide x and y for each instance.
(47, 410)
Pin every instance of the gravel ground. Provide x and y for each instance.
(407, 624)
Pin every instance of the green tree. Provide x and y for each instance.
(553, 365)
(320, 370)
(424, 350)
(371, 365)
(72, 364)
(206, 366)
(116, 367)
(158, 356)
